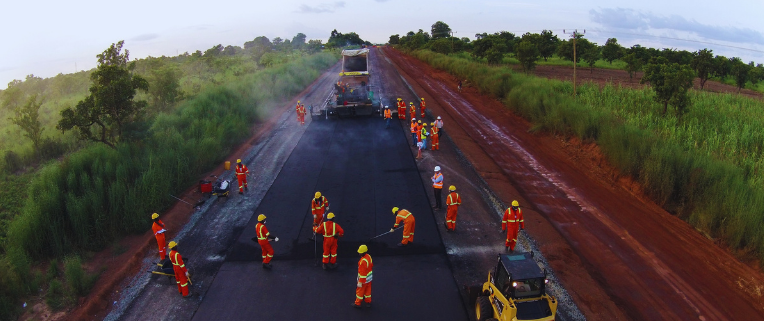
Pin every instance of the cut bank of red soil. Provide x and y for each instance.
(652, 264)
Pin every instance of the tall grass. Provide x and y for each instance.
(98, 194)
(705, 167)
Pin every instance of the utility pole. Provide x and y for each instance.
(452, 40)
(575, 33)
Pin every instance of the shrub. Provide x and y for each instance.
(55, 295)
(13, 162)
(78, 280)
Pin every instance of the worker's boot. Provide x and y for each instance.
(324, 266)
(356, 306)
(368, 304)
(267, 266)
(334, 266)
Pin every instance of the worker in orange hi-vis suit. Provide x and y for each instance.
(421, 107)
(419, 130)
(297, 111)
(401, 109)
(241, 174)
(409, 224)
(363, 286)
(412, 110)
(158, 228)
(434, 137)
(512, 221)
(179, 267)
(331, 232)
(302, 113)
(318, 207)
(414, 133)
(388, 116)
(263, 238)
(452, 206)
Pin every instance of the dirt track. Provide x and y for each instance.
(653, 265)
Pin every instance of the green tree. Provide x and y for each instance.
(394, 39)
(547, 43)
(314, 45)
(440, 30)
(633, 64)
(27, 116)
(591, 53)
(261, 43)
(670, 82)
(612, 50)
(214, 51)
(110, 105)
(490, 47)
(703, 64)
(528, 53)
(298, 41)
(741, 72)
(722, 67)
(164, 86)
(565, 48)
(442, 45)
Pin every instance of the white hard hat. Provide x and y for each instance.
(438, 117)
(437, 168)
(387, 107)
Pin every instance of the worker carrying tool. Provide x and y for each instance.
(179, 267)
(401, 109)
(388, 116)
(452, 202)
(241, 174)
(263, 238)
(413, 131)
(412, 110)
(363, 281)
(437, 186)
(331, 232)
(158, 228)
(435, 145)
(318, 206)
(512, 221)
(409, 224)
(421, 107)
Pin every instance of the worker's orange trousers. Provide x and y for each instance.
(162, 245)
(413, 114)
(512, 230)
(182, 281)
(422, 113)
(363, 293)
(330, 250)
(451, 217)
(401, 113)
(435, 142)
(242, 182)
(408, 233)
(267, 250)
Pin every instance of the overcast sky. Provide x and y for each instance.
(45, 38)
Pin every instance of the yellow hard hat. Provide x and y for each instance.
(329, 216)
(261, 217)
(318, 194)
(419, 121)
(154, 216)
(432, 124)
(172, 244)
(399, 99)
(395, 210)
(411, 103)
(298, 101)
(238, 161)
(515, 203)
(452, 188)
(362, 249)
(422, 98)
(424, 125)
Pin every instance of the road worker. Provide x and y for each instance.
(435, 145)
(158, 228)
(241, 174)
(363, 281)
(413, 132)
(423, 133)
(388, 116)
(439, 124)
(512, 221)
(452, 202)
(437, 186)
(263, 238)
(421, 107)
(418, 130)
(331, 232)
(419, 148)
(412, 110)
(409, 224)
(303, 112)
(298, 111)
(401, 109)
(179, 267)
(318, 206)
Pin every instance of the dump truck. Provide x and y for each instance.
(352, 94)
(515, 291)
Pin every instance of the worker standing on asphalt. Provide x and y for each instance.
(409, 224)
(437, 186)
(388, 116)
(452, 202)
(158, 228)
(363, 281)
(241, 174)
(421, 107)
(424, 133)
(331, 232)
(512, 221)
(298, 111)
(318, 206)
(435, 145)
(439, 124)
(413, 131)
(412, 110)
(401, 109)
(263, 238)
(179, 267)
(303, 112)
(418, 130)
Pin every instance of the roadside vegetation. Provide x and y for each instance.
(701, 161)
(175, 118)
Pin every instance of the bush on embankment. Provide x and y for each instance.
(717, 194)
(98, 194)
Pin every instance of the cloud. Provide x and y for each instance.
(145, 37)
(321, 8)
(620, 18)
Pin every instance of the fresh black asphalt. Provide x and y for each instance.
(364, 170)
